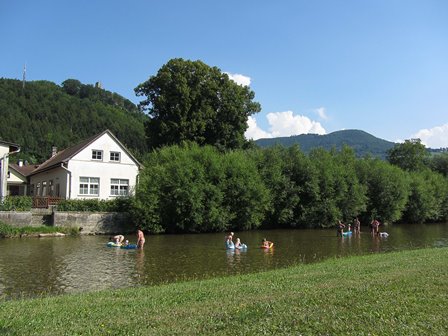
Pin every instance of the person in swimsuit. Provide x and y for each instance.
(266, 243)
(356, 226)
(119, 239)
(140, 239)
(229, 241)
(340, 228)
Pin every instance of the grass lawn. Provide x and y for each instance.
(402, 293)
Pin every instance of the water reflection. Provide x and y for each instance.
(31, 267)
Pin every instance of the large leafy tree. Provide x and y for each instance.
(410, 155)
(191, 101)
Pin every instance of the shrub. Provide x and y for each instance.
(120, 204)
(16, 203)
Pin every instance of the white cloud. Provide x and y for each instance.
(239, 79)
(286, 124)
(435, 137)
(255, 132)
(283, 124)
(321, 113)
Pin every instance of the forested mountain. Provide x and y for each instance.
(42, 114)
(362, 142)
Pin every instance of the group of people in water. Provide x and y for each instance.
(374, 228)
(231, 245)
(239, 245)
(120, 241)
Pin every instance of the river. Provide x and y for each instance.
(31, 267)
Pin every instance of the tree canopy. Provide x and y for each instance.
(191, 101)
(410, 155)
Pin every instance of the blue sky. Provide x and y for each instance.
(315, 66)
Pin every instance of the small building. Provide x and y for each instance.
(6, 149)
(98, 168)
(18, 178)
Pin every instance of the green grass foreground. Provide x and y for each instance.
(402, 293)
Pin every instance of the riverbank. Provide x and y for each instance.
(9, 231)
(382, 294)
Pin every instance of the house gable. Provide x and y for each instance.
(99, 167)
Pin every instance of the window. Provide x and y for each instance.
(44, 188)
(89, 186)
(119, 187)
(115, 156)
(51, 188)
(97, 154)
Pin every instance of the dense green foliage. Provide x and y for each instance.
(400, 293)
(8, 231)
(44, 114)
(199, 189)
(361, 142)
(387, 190)
(410, 155)
(194, 189)
(16, 203)
(191, 101)
(439, 163)
(120, 204)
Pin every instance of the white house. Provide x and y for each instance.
(6, 149)
(99, 167)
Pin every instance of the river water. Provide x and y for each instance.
(31, 267)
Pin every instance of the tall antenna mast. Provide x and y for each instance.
(24, 77)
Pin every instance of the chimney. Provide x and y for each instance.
(20, 163)
(54, 151)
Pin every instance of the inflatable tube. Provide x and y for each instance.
(242, 247)
(384, 234)
(112, 244)
(348, 233)
(129, 247)
(271, 245)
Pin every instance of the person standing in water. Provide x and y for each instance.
(340, 228)
(140, 239)
(356, 226)
(229, 241)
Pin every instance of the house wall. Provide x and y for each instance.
(16, 178)
(58, 176)
(4, 149)
(82, 165)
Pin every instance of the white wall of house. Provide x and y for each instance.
(55, 182)
(4, 149)
(15, 178)
(16, 184)
(108, 175)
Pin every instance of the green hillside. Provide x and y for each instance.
(43, 114)
(362, 142)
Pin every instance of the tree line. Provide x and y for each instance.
(192, 188)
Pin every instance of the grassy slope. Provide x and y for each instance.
(403, 293)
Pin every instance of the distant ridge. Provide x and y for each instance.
(362, 142)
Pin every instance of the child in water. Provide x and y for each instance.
(266, 243)
(239, 245)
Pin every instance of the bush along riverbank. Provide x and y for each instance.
(9, 231)
(400, 293)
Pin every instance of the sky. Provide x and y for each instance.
(318, 66)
